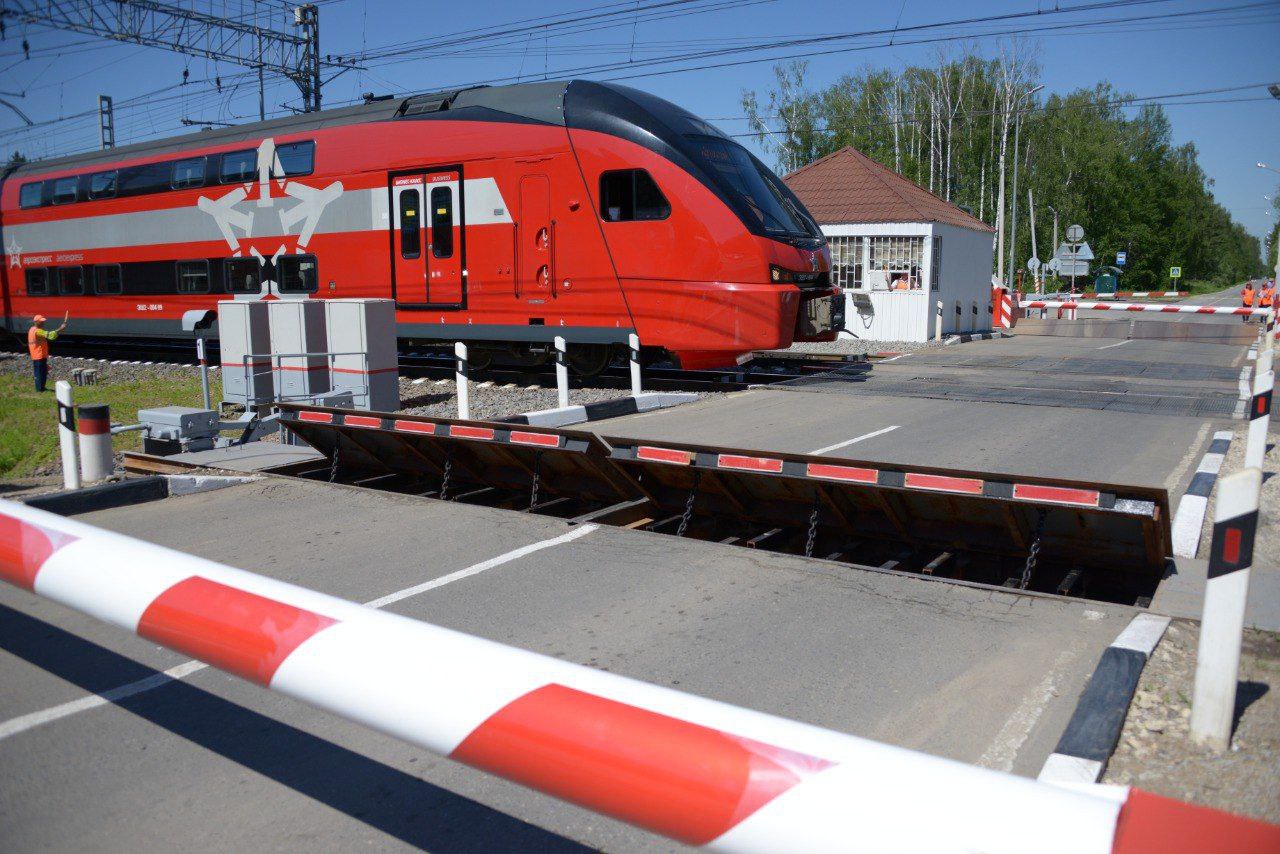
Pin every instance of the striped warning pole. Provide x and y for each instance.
(562, 372)
(1235, 522)
(67, 436)
(462, 380)
(1255, 448)
(698, 771)
(633, 346)
(93, 425)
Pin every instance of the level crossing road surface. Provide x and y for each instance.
(213, 762)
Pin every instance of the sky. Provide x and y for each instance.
(1169, 52)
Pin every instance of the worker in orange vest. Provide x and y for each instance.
(38, 339)
(1246, 295)
(1267, 297)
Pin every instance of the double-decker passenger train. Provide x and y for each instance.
(499, 216)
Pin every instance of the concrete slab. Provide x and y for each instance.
(973, 674)
(254, 456)
(1181, 594)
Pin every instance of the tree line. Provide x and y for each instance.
(957, 128)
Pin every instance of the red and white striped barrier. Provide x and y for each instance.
(1129, 306)
(1136, 294)
(695, 770)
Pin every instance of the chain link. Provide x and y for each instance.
(1034, 553)
(688, 505)
(813, 530)
(533, 491)
(333, 466)
(444, 480)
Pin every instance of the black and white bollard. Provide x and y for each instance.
(462, 378)
(1235, 522)
(937, 333)
(1259, 414)
(562, 372)
(204, 373)
(633, 344)
(67, 436)
(93, 425)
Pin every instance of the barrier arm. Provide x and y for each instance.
(695, 770)
(1157, 307)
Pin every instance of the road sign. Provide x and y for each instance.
(1121, 257)
(1175, 272)
(1075, 233)
(1033, 264)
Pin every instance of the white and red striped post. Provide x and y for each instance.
(698, 771)
(67, 435)
(462, 379)
(93, 426)
(1235, 523)
(562, 372)
(1264, 382)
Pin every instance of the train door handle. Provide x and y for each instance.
(552, 249)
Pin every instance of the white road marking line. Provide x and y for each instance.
(855, 440)
(1003, 750)
(894, 358)
(25, 722)
(1117, 344)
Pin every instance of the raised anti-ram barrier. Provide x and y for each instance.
(1129, 306)
(695, 770)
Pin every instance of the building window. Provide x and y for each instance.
(64, 190)
(895, 263)
(30, 195)
(295, 158)
(410, 225)
(71, 281)
(238, 166)
(193, 277)
(846, 262)
(244, 275)
(106, 279)
(935, 264)
(442, 222)
(37, 282)
(297, 274)
(631, 194)
(102, 185)
(188, 173)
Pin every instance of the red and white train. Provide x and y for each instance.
(500, 216)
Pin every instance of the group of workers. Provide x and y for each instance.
(1262, 297)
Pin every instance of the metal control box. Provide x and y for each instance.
(245, 339)
(297, 328)
(362, 337)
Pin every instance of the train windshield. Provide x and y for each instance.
(756, 192)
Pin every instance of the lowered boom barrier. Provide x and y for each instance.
(1051, 535)
(694, 770)
(1131, 306)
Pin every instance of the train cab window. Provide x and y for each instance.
(102, 185)
(631, 194)
(410, 224)
(37, 282)
(244, 275)
(64, 190)
(71, 281)
(30, 195)
(187, 173)
(106, 279)
(193, 277)
(295, 158)
(297, 274)
(238, 166)
(442, 222)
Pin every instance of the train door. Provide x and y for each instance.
(429, 239)
(535, 237)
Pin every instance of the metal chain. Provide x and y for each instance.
(813, 529)
(688, 505)
(1034, 553)
(444, 481)
(533, 491)
(333, 466)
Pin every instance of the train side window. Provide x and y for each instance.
(244, 275)
(148, 178)
(295, 158)
(102, 185)
(30, 195)
(297, 274)
(71, 281)
(631, 194)
(106, 279)
(193, 277)
(64, 190)
(187, 173)
(37, 282)
(410, 225)
(442, 222)
(238, 166)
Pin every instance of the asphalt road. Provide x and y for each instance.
(211, 762)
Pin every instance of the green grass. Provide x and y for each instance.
(1199, 286)
(28, 428)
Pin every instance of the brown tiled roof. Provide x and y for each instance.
(846, 186)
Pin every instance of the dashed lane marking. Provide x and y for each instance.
(1117, 344)
(855, 440)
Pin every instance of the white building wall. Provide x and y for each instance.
(966, 276)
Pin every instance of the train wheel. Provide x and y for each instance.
(589, 360)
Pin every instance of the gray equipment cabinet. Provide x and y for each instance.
(362, 337)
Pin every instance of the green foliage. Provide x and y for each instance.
(1089, 154)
